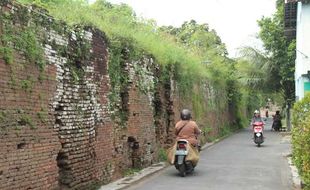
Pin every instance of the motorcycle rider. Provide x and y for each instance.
(256, 118)
(257, 124)
(187, 129)
(277, 125)
(267, 112)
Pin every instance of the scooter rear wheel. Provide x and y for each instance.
(182, 170)
(258, 144)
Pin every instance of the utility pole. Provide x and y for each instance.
(288, 115)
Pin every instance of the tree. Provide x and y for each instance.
(204, 42)
(282, 53)
(253, 69)
(199, 38)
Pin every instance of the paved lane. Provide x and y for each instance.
(235, 163)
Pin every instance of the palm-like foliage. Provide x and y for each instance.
(254, 68)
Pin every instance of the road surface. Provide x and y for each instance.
(234, 163)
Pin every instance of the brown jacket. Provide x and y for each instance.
(189, 132)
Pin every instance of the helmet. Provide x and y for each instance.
(185, 114)
(256, 111)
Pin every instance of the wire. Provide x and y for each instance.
(302, 54)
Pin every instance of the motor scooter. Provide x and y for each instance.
(180, 162)
(258, 128)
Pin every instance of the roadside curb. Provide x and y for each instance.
(286, 137)
(127, 181)
(295, 175)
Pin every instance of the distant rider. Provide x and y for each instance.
(277, 125)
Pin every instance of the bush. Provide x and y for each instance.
(162, 155)
(301, 139)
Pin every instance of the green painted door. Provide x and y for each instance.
(307, 86)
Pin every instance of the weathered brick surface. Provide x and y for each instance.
(55, 129)
(28, 150)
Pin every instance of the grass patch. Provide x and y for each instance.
(26, 120)
(131, 171)
(162, 155)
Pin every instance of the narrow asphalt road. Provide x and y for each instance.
(235, 163)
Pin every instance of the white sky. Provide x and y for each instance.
(233, 20)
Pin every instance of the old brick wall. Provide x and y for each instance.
(56, 132)
(29, 142)
(135, 137)
(56, 129)
(141, 113)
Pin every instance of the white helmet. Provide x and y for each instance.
(256, 111)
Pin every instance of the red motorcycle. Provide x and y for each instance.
(258, 128)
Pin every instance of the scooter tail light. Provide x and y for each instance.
(182, 146)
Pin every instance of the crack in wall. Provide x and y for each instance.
(77, 112)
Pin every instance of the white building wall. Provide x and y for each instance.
(302, 47)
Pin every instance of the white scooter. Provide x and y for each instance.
(180, 162)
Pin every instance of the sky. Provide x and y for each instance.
(235, 21)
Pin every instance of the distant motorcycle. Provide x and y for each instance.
(276, 124)
(181, 154)
(258, 128)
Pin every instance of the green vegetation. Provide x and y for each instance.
(162, 155)
(253, 72)
(121, 25)
(224, 131)
(218, 72)
(42, 115)
(6, 51)
(131, 171)
(271, 72)
(22, 39)
(3, 116)
(26, 120)
(281, 55)
(27, 84)
(301, 138)
(27, 42)
(7, 54)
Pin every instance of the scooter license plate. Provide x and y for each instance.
(181, 152)
(258, 129)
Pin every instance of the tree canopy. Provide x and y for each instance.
(281, 53)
